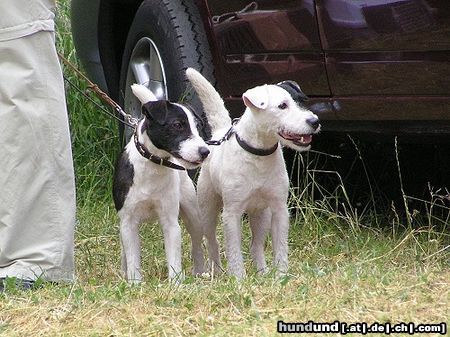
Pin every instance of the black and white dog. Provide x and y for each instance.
(149, 185)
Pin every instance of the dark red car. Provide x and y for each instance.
(381, 66)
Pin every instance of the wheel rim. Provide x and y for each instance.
(146, 68)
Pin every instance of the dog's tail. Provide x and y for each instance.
(143, 94)
(215, 110)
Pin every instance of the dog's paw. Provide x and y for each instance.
(262, 271)
(198, 271)
(215, 268)
(134, 282)
(134, 278)
(177, 279)
(205, 275)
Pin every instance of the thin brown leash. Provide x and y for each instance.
(128, 119)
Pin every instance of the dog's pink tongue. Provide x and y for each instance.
(306, 138)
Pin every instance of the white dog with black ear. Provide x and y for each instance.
(150, 183)
(247, 172)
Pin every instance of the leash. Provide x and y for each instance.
(98, 106)
(127, 118)
(242, 143)
(226, 136)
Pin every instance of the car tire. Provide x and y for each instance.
(176, 40)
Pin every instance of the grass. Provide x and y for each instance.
(347, 264)
(336, 273)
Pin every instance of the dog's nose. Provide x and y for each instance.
(203, 152)
(313, 122)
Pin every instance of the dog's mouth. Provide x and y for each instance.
(190, 164)
(196, 163)
(297, 139)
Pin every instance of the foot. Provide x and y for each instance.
(16, 283)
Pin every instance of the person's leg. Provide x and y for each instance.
(37, 192)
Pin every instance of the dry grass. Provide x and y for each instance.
(223, 307)
(368, 276)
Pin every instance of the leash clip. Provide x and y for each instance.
(226, 136)
(130, 119)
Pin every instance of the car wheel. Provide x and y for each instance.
(165, 38)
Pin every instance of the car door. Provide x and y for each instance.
(387, 59)
(267, 42)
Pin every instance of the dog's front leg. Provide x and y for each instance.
(172, 245)
(190, 214)
(210, 204)
(260, 222)
(232, 232)
(280, 231)
(131, 250)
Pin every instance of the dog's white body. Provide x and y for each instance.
(241, 182)
(158, 192)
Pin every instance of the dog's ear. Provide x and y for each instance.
(256, 97)
(155, 111)
(294, 90)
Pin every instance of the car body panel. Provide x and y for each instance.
(393, 55)
(363, 63)
(84, 15)
(263, 42)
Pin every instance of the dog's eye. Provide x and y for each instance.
(177, 125)
(282, 106)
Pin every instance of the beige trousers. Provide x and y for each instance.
(37, 190)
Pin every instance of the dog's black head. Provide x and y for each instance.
(294, 90)
(172, 127)
(166, 124)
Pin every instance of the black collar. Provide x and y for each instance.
(253, 150)
(153, 158)
(242, 143)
